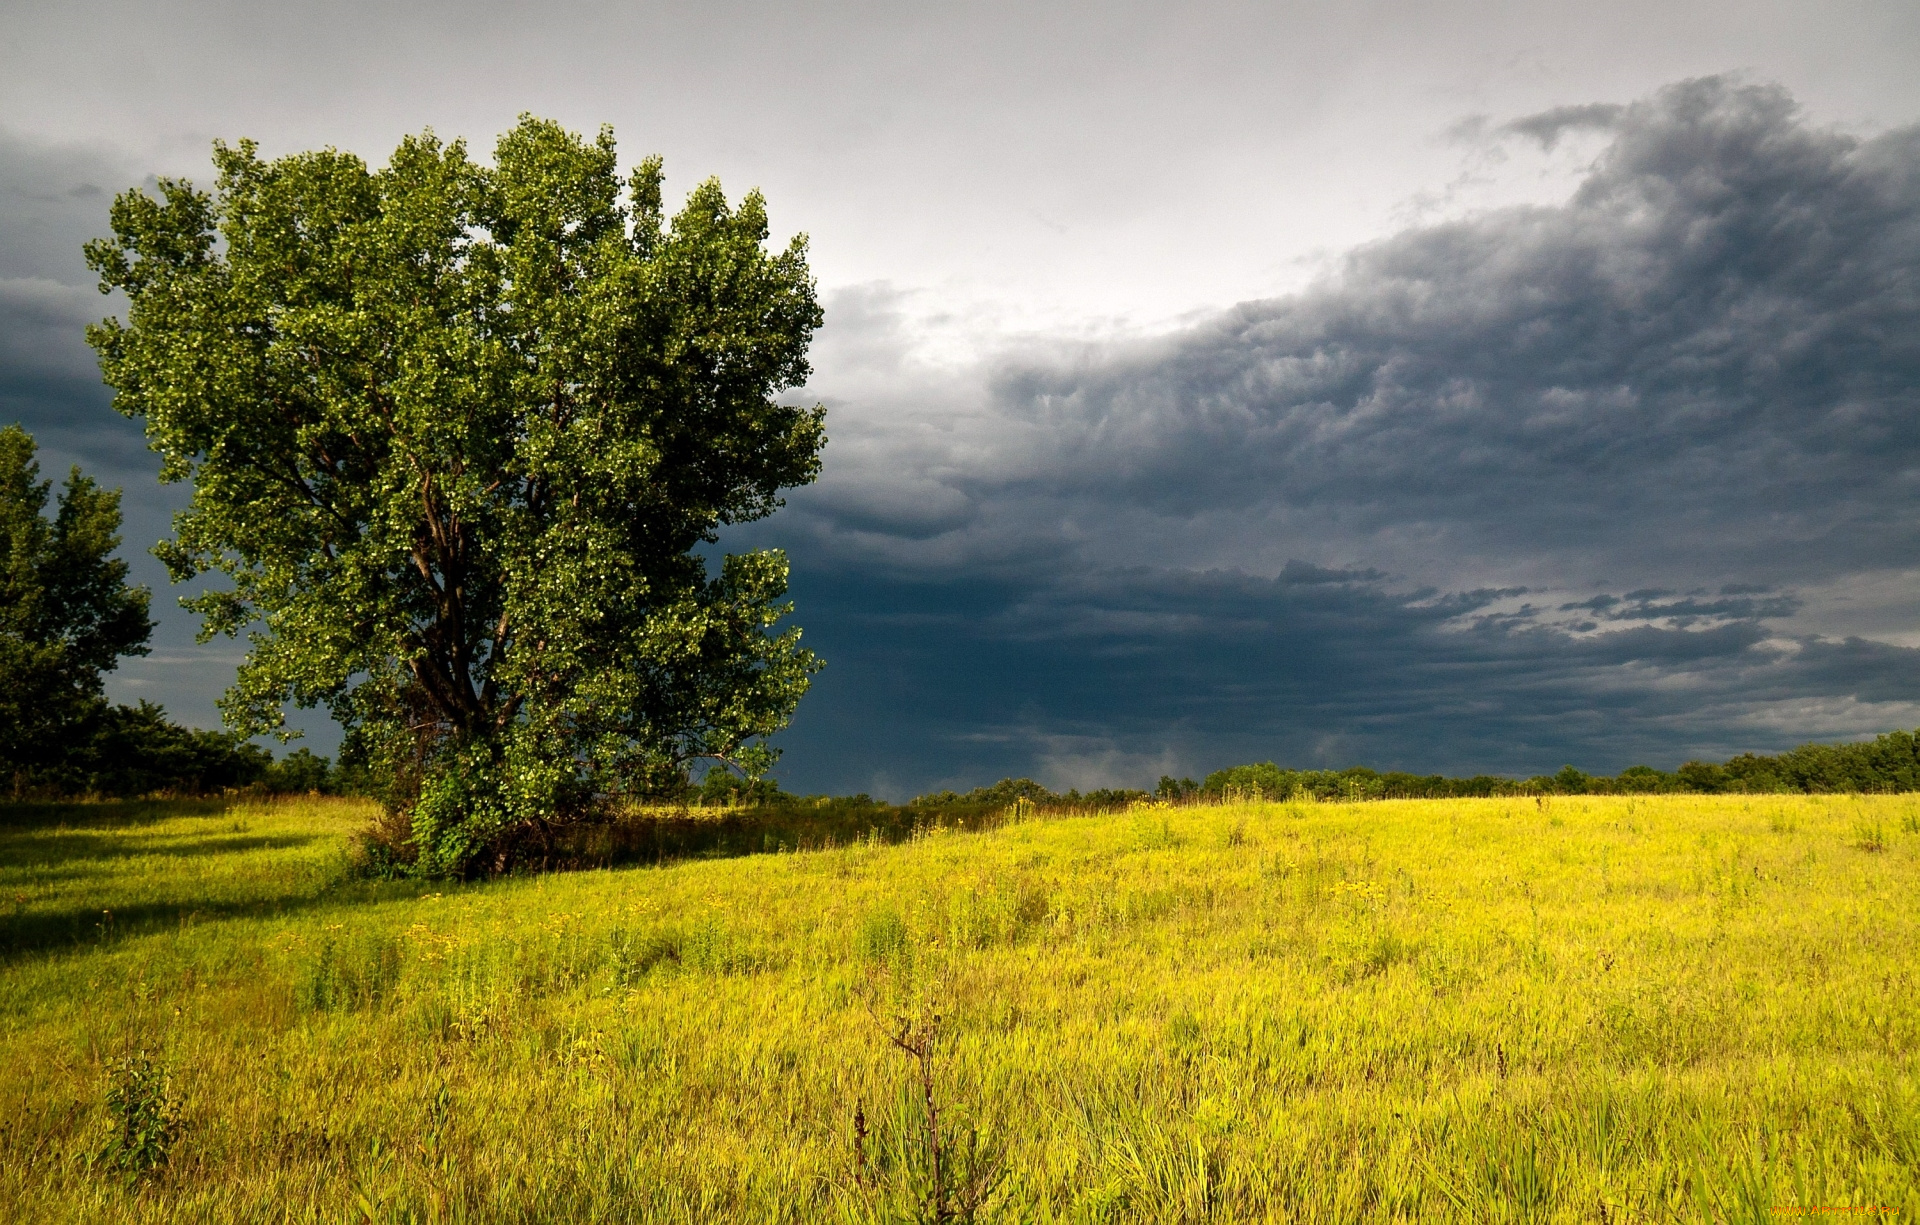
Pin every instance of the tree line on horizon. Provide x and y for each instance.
(1887, 763)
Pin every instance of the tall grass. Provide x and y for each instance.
(1609, 1009)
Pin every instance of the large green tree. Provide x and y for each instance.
(459, 434)
(66, 611)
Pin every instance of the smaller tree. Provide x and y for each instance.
(67, 614)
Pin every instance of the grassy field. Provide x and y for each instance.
(1600, 1009)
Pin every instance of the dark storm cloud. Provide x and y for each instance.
(1117, 677)
(1709, 358)
(53, 199)
(1692, 386)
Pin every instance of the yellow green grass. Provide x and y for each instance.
(1584, 1009)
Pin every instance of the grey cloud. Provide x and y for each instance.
(52, 201)
(1146, 671)
(1686, 611)
(41, 322)
(1548, 127)
(1536, 486)
(1703, 367)
(50, 204)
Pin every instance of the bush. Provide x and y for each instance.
(1174, 789)
(1010, 791)
(726, 789)
(144, 1115)
(299, 772)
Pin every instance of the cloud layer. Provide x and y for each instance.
(53, 198)
(1600, 481)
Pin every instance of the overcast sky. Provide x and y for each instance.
(1465, 387)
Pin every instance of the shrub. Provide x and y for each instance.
(144, 1115)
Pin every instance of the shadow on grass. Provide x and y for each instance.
(666, 837)
(86, 836)
(661, 837)
(27, 851)
(106, 814)
(71, 929)
(89, 852)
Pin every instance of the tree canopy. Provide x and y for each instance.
(66, 612)
(459, 435)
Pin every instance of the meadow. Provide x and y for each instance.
(1589, 1008)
